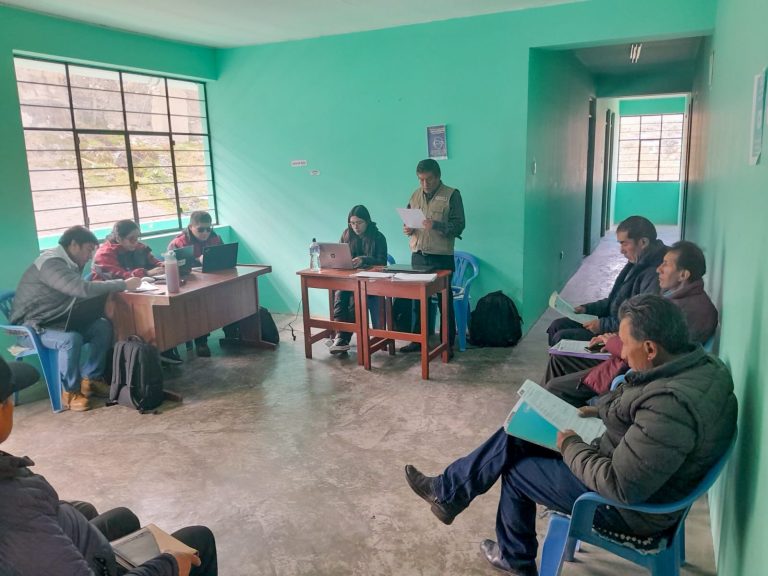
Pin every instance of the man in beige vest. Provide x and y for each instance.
(432, 245)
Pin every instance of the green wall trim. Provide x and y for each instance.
(640, 106)
(657, 201)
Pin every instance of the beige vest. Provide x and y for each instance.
(437, 209)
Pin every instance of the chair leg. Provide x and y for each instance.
(460, 308)
(554, 549)
(681, 544)
(50, 364)
(665, 563)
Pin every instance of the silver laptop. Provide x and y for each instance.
(335, 256)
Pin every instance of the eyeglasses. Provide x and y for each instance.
(356, 222)
(203, 229)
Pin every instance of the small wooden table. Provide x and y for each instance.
(205, 302)
(377, 338)
(330, 280)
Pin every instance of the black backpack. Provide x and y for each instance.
(495, 321)
(137, 375)
(402, 315)
(269, 331)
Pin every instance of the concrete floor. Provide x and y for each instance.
(297, 465)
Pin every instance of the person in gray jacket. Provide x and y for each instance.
(41, 535)
(644, 252)
(45, 295)
(666, 426)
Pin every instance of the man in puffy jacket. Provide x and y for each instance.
(46, 295)
(41, 535)
(666, 426)
(638, 244)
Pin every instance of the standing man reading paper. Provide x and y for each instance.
(433, 243)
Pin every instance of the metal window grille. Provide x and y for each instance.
(650, 148)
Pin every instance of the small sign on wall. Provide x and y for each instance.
(437, 145)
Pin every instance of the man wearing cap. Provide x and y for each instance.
(44, 297)
(39, 534)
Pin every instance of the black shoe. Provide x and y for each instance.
(203, 351)
(491, 552)
(170, 357)
(450, 353)
(412, 347)
(424, 487)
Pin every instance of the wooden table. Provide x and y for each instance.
(205, 302)
(330, 280)
(377, 338)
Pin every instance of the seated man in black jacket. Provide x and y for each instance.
(644, 252)
(41, 535)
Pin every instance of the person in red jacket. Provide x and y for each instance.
(199, 234)
(122, 256)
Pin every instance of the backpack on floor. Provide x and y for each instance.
(495, 321)
(269, 332)
(402, 315)
(137, 375)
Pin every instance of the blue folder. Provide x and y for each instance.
(524, 422)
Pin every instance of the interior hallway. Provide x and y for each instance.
(297, 465)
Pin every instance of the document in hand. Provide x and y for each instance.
(565, 308)
(577, 348)
(144, 544)
(412, 217)
(539, 415)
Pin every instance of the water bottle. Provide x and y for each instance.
(171, 272)
(314, 256)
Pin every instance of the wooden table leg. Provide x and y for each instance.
(305, 318)
(444, 324)
(424, 314)
(364, 341)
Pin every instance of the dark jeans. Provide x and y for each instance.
(440, 262)
(565, 328)
(564, 365)
(529, 474)
(344, 310)
(120, 522)
(570, 388)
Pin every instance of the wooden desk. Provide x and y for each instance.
(204, 303)
(330, 280)
(374, 339)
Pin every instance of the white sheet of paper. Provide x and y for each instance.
(559, 413)
(370, 274)
(565, 308)
(577, 347)
(408, 277)
(148, 287)
(412, 217)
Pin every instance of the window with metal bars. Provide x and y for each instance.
(106, 145)
(650, 148)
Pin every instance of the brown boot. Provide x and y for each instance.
(74, 401)
(94, 387)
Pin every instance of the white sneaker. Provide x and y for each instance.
(339, 346)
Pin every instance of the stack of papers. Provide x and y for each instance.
(148, 287)
(577, 348)
(539, 415)
(408, 277)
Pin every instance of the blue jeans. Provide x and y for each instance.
(98, 336)
(529, 474)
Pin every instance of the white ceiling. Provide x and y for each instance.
(229, 23)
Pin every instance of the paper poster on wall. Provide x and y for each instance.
(758, 113)
(437, 146)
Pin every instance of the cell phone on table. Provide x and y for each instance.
(596, 347)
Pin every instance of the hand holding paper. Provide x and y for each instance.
(565, 308)
(412, 217)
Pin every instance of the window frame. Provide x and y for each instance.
(637, 159)
(181, 217)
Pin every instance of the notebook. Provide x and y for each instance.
(335, 256)
(220, 257)
(144, 544)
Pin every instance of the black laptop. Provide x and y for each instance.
(82, 313)
(220, 257)
(415, 269)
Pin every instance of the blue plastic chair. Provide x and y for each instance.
(467, 270)
(564, 533)
(49, 359)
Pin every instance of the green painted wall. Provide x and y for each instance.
(356, 107)
(36, 34)
(728, 201)
(657, 201)
(555, 196)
